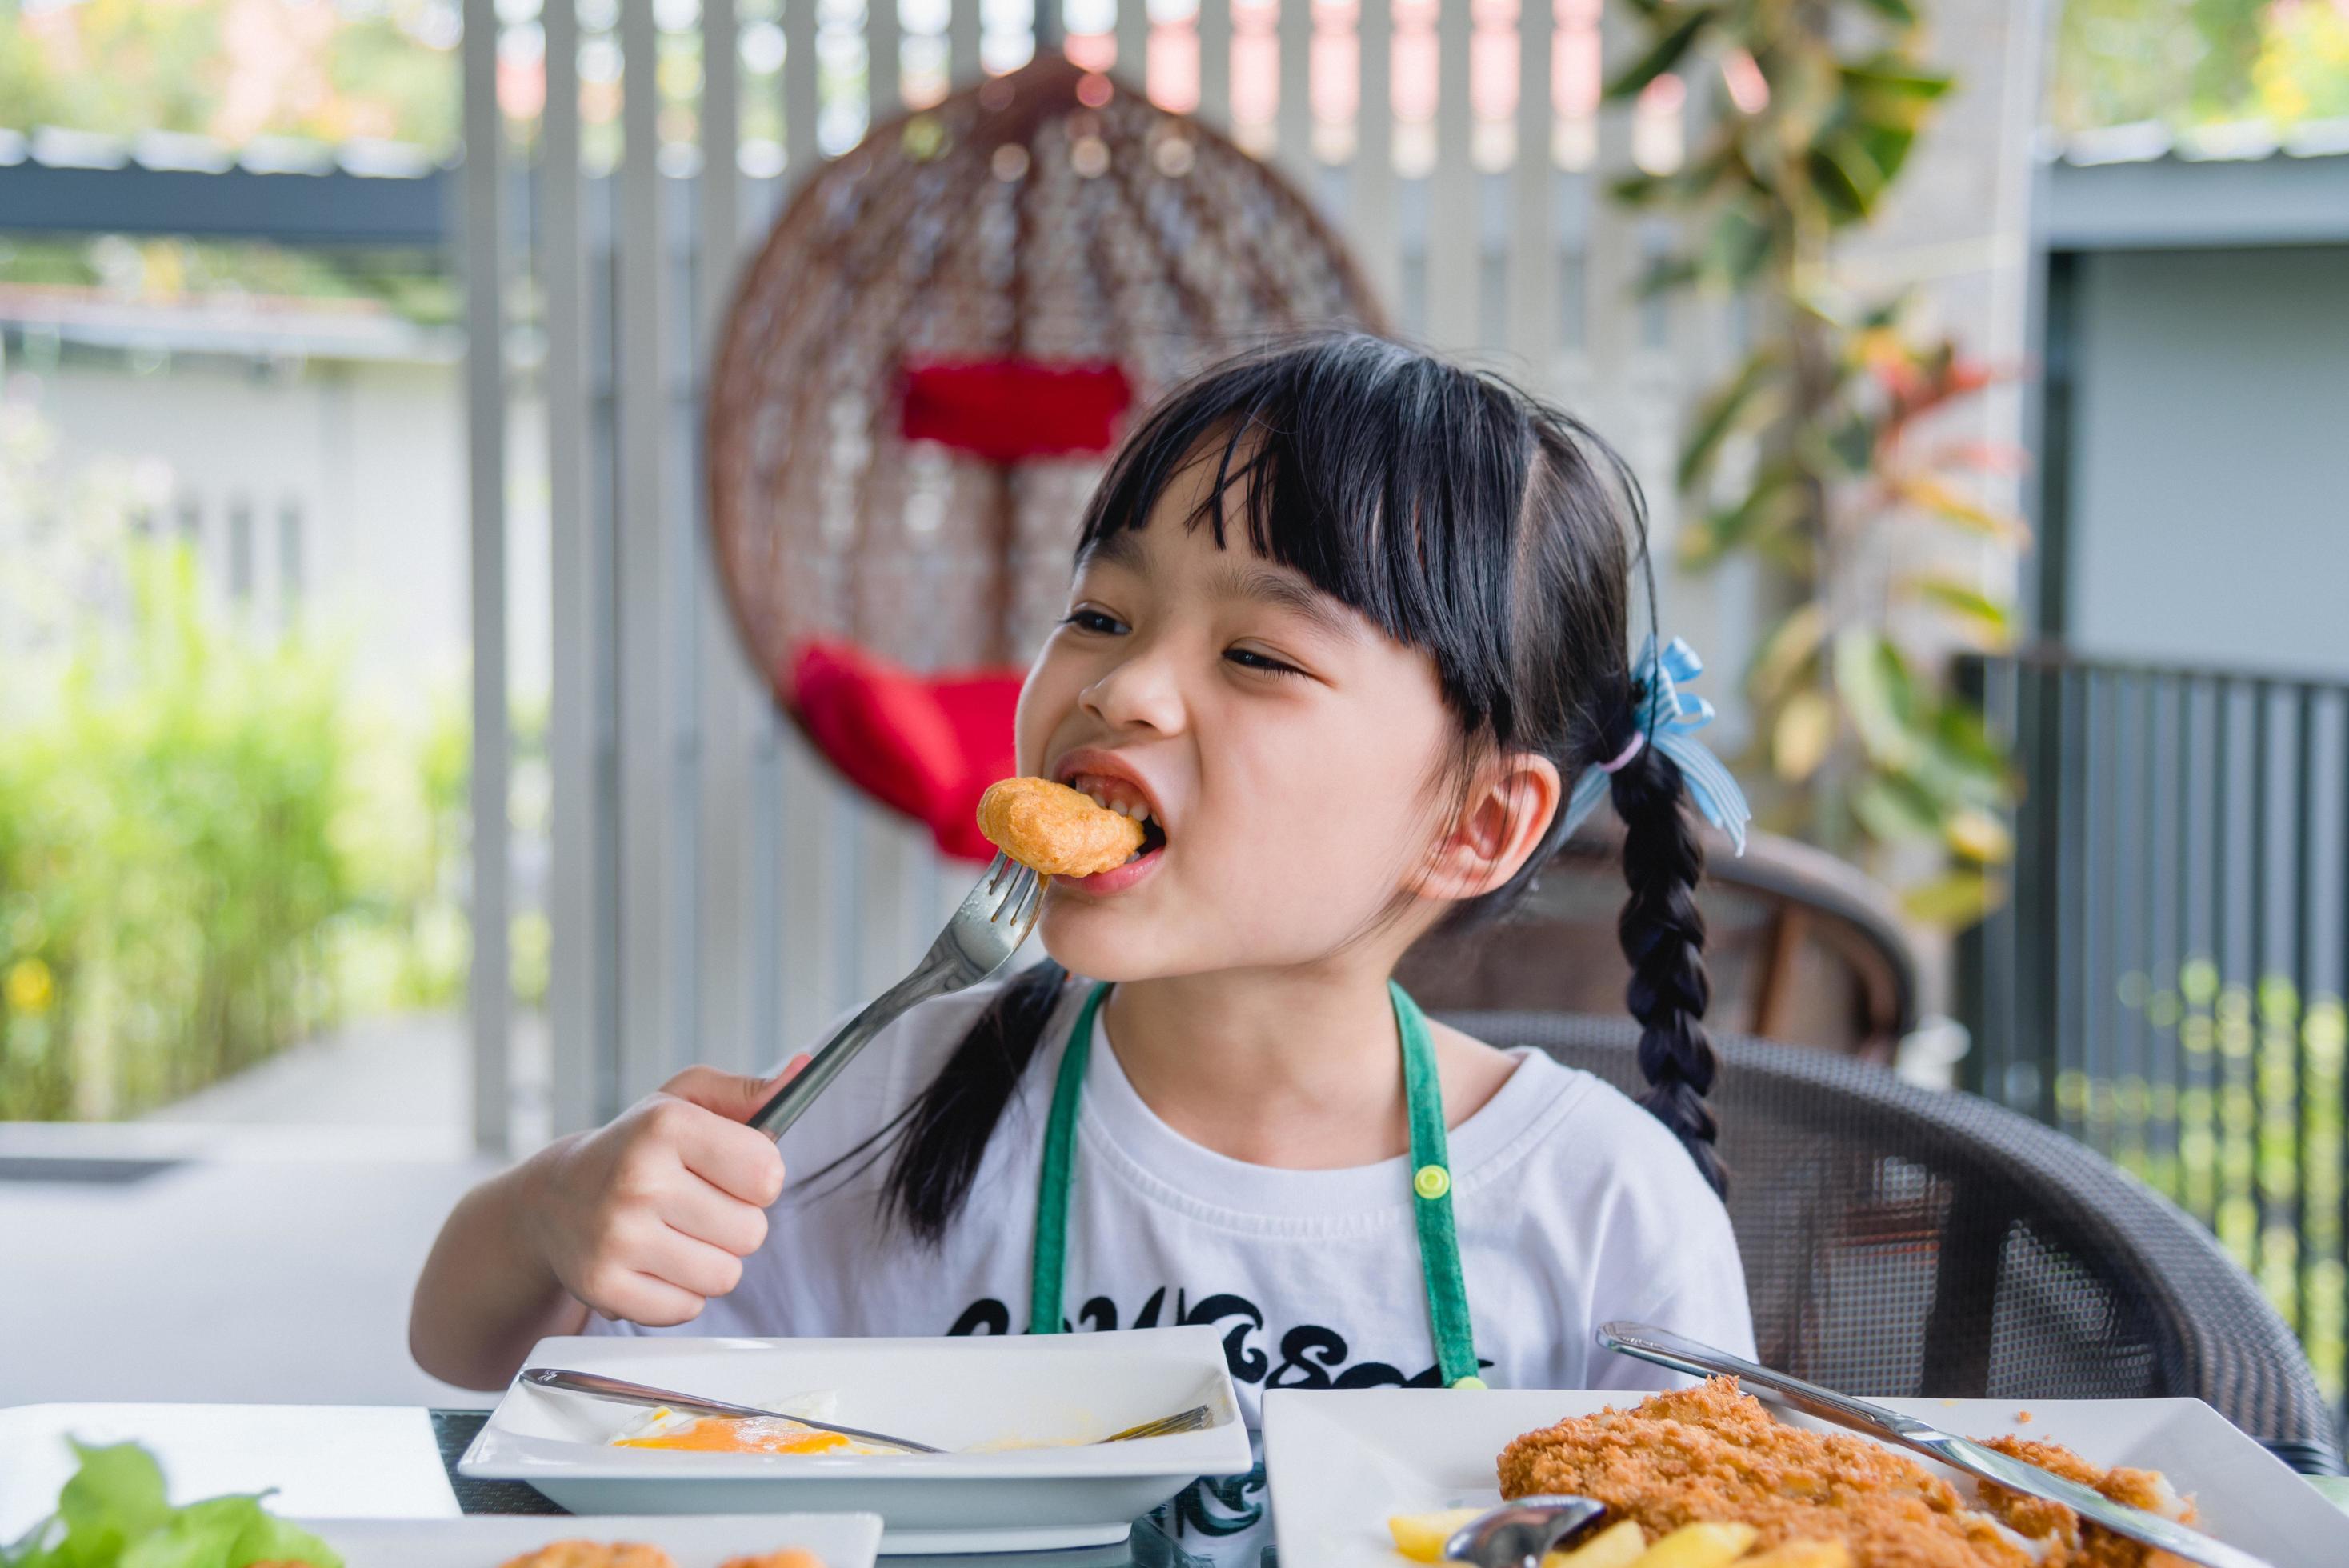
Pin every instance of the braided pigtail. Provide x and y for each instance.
(1662, 933)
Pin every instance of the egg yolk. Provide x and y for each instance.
(742, 1434)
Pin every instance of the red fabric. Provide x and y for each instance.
(1007, 409)
(925, 747)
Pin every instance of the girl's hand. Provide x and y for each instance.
(649, 1217)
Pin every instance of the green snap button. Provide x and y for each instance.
(1432, 1183)
(1471, 1382)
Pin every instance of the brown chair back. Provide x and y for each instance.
(1800, 947)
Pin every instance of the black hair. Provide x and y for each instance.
(1461, 516)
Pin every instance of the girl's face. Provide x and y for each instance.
(1293, 756)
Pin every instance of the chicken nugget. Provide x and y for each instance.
(789, 1557)
(594, 1555)
(1056, 829)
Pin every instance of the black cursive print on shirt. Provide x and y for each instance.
(1311, 1356)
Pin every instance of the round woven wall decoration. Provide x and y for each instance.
(1053, 217)
(924, 367)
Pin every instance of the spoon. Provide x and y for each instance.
(1516, 1534)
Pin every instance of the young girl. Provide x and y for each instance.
(1348, 623)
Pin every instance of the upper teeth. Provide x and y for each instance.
(1136, 810)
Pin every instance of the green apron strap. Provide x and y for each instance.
(1059, 1169)
(1430, 1186)
(1430, 1183)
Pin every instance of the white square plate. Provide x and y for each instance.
(957, 1393)
(1339, 1463)
(839, 1540)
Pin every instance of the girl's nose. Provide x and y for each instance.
(1137, 693)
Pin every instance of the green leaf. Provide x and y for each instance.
(113, 1499)
(1986, 620)
(1735, 248)
(1954, 900)
(201, 1535)
(1775, 503)
(1665, 53)
(1790, 650)
(1846, 179)
(1895, 809)
(1665, 276)
(1895, 76)
(1880, 695)
(1720, 412)
(1900, 11)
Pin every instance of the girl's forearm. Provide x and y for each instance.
(487, 1294)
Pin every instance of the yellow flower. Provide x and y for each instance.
(29, 987)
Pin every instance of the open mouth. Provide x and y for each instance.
(1114, 793)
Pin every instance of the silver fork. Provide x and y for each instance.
(979, 940)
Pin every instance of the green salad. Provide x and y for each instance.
(113, 1514)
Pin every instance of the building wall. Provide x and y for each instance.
(363, 463)
(2209, 468)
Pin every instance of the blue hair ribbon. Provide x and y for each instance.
(1668, 720)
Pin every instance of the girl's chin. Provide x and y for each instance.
(1101, 940)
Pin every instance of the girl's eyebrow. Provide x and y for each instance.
(1284, 591)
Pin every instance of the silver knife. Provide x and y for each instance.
(1666, 1348)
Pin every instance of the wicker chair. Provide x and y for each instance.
(1800, 947)
(1898, 1241)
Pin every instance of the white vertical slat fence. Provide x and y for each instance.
(715, 896)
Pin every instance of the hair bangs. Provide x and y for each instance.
(1364, 468)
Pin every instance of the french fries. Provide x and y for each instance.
(1801, 1555)
(1420, 1536)
(1616, 1546)
(1623, 1544)
(1698, 1546)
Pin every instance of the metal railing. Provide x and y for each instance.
(2167, 981)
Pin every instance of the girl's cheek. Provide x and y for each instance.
(1045, 698)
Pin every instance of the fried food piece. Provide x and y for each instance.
(594, 1555)
(1698, 1546)
(2086, 1545)
(789, 1557)
(1616, 1546)
(1055, 829)
(1711, 1453)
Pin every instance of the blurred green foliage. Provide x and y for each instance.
(209, 848)
(380, 68)
(2194, 62)
(1817, 455)
(168, 270)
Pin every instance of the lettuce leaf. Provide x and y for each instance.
(114, 1513)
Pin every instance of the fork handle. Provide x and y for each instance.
(788, 1103)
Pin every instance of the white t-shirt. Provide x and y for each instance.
(1573, 1206)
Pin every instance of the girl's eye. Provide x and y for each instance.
(1085, 618)
(1264, 664)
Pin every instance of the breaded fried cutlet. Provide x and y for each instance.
(594, 1555)
(1711, 1453)
(2086, 1545)
(789, 1557)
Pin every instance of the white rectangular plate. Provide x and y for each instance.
(956, 1394)
(322, 1461)
(1339, 1463)
(839, 1540)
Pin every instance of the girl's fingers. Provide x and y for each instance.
(655, 1303)
(733, 1158)
(707, 1214)
(691, 1265)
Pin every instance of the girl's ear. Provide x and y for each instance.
(1507, 811)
